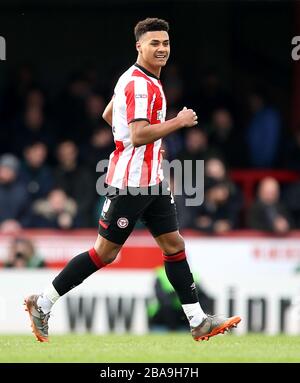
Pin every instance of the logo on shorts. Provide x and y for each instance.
(122, 222)
(105, 207)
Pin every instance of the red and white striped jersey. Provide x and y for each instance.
(138, 95)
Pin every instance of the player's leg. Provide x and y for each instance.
(73, 274)
(177, 269)
(78, 269)
(180, 276)
(117, 220)
(161, 219)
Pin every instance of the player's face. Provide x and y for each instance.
(154, 49)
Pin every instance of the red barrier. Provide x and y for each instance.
(140, 250)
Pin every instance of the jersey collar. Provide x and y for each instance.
(146, 71)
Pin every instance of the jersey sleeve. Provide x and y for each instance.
(139, 95)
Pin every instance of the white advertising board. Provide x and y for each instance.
(252, 277)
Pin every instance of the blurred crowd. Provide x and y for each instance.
(50, 146)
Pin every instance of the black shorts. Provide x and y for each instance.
(120, 212)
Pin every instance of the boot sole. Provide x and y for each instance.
(28, 305)
(230, 323)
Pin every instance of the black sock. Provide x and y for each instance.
(180, 277)
(76, 271)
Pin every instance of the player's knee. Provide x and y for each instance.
(174, 245)
(109, 257)
(107, 251)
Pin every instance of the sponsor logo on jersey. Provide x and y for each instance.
(159, 115)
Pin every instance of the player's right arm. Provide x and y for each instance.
(142, 133)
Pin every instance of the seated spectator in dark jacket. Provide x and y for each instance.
(94, 107)
(76, 180)
(264, 127)
(267, 213)
(100, 146)
(22, 253)
(215, 169)
(196, 149)
(292, 202)
(32, 127)
(196, 145)
(216, 214)
(57, 211)
(13, 195)
(34, 172)
(225, 140)
(173, 143)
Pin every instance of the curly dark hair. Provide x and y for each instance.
(150, 25)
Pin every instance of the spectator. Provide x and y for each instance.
(35, 97)
(225, 140)
(77, 181)
(215, 170)
(173, 143)
(196, 148)
(34, 172)
(70, 109)
(22, 253)
(32, 127)
(21, 82)
(210, 95)
(57, 211)
(100, 146)
(264, 127)
(292, 202)
(267, 213)
(216, 214)
(13, 195)
(196, 145)
(173, 86)
(94, 107)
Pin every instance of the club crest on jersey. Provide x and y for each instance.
(141, 95)
(159, 115)
(122, 222)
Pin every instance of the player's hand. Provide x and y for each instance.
(187, 118)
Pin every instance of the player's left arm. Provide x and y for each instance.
(107, 114)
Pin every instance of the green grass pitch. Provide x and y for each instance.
(172, 347)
